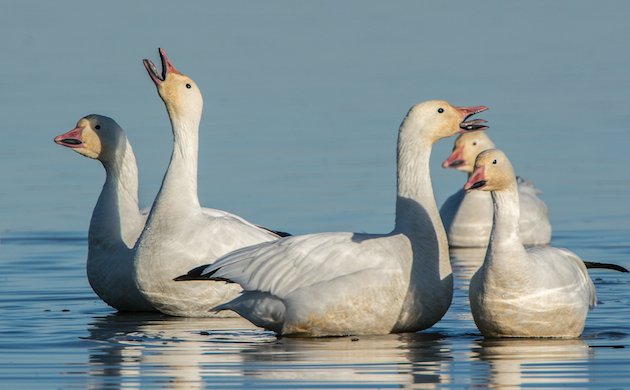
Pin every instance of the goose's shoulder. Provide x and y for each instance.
(559, 263)
(228, 223)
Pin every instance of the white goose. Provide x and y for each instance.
(179, 234)
(116, 220)
(332, 284)
(518, 292)
(467, 217)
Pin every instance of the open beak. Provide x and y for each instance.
(71, 139)
(455, 159)
(471, 125)
(477, 180)
(167, 67)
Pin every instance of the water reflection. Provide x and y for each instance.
(133, 351)
(174, 352)
(366, 360)
(466, 261)
(521, 362)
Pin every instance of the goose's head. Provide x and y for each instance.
(467, 147)
(178, 91)
(493, 172)
(95, 136)
(439, 119)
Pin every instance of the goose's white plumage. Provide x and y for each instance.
(519, 292)
(348, 283)
(467, 217)
(179, 234)
(116, 220)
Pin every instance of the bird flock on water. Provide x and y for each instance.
(182, 259)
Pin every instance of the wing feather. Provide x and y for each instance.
(567, 269)
(292, 263)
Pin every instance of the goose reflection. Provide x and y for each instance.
(514, 363)
(148, 350)
(136, 350)
(387, 360)
(466, 261)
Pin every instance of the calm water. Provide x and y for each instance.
(302, 104)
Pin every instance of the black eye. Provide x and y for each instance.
(97, 127)
(494, 162)
(440, 110)
(475, 143)
(188, 86)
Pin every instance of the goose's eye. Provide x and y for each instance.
(97, 127)
(494, 162)
(440, 110)
(475, 143)
(188, 86)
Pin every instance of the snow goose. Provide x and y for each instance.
(333, 284)
(179, 234)
(519, 292)
(467, 217)
(116, 220)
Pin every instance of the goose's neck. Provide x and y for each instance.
(179, 187)
(116, 212)
(414, 181)
(505, 225)
(417, 214)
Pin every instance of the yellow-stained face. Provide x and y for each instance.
(95, 136)
(493, 172)
(442, 119)
(178, 91)
(466, 149)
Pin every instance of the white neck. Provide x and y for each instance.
(179, 188)
(116, 214)
(505, 226)
(417, 214)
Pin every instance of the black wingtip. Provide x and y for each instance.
(276, 232)
(197, 274)
(595, 265)
(181, 278)
(281, 234)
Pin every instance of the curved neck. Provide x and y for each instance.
(505, 225)
(417, 214)
(116, 214)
